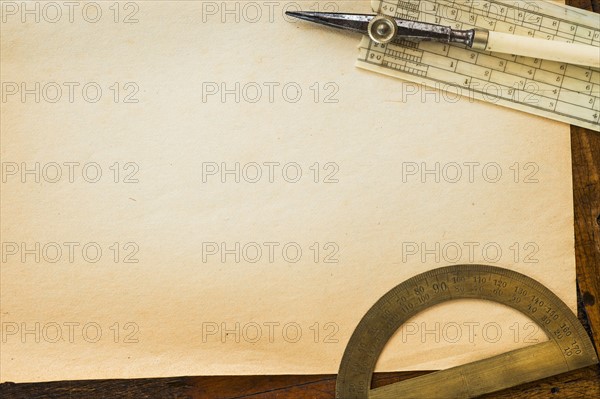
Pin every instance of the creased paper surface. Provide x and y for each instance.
(202, 188)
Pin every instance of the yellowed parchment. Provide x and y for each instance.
(201, 188)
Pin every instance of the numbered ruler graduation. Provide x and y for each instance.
(559, 91)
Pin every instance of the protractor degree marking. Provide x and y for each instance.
(568, 347)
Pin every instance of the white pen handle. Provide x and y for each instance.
(572, 53)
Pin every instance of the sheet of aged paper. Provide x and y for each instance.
(200, 188)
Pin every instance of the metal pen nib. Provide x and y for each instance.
(383, 29)
(353, 22)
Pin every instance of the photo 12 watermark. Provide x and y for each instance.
(269, 332)
(469, 252)
(288, 92)
(270, 172)
(71, 92)
(469, 332)
(270, 252)
(252, 12)
(70, 12)
(70, 332)
(70, 172)
(87, 252)
(475, 172)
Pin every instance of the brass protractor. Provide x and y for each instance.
(568, 347)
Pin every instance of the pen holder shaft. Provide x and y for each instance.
(572, 53)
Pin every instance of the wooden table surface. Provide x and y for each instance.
(583, 383)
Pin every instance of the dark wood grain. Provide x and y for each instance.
(579, 384)
(586, 195)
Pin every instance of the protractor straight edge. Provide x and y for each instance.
(568, 347)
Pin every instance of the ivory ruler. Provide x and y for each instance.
(564, 92)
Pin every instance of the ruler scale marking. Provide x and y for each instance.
(536, 94)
